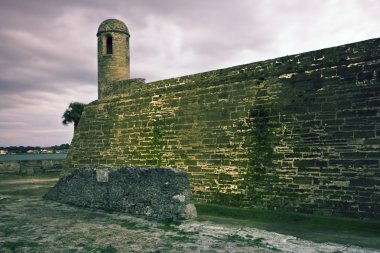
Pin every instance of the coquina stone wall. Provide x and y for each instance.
(298, 133)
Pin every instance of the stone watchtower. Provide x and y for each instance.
(113, 54)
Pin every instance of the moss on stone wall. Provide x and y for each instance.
(157, 143)
(261, 139)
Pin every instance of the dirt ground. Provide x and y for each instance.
(30, 224)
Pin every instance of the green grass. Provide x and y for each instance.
(257, 242)
(26, 188)
(290, 218)
(107, 249)
(133, 225)
(317, 228)
(27, 192)
(365, 233)
(182, 238)
(183, 232)
(15, 245)
(180, 235)
(7, 231)
(167, 227)
(102, 249)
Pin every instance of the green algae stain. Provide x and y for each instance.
(156, 142)
(261, 138)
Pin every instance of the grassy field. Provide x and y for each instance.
(29, 224)
(365, 233)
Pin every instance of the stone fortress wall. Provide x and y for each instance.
(297, 133)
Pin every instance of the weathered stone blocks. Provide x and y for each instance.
(113, 53)
(159, 193)
(297, 133)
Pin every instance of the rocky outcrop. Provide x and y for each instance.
(160, 193)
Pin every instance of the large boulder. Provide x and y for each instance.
(160, 193)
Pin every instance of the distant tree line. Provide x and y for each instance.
(24, 149)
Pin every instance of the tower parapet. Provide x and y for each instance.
(113, 54)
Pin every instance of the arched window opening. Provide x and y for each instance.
(109, 44)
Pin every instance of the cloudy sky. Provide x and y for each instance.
(48, 47)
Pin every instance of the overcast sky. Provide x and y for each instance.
(48, 47)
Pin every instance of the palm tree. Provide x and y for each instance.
(73, 114)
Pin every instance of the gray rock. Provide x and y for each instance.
(160, 193)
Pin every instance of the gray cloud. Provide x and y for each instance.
(48, 48)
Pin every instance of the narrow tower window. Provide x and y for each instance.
(109, 45)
